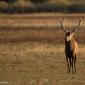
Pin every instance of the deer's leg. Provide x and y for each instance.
(68, 65)
(72, 64)
(75, 63)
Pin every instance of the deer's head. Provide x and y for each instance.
(69, 34)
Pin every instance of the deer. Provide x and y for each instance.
(71, 47)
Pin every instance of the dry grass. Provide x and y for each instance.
(38, 27)
(51, 35)
(36, 19)
(35, 55)
(38, 64)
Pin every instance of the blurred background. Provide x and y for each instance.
(33, 6)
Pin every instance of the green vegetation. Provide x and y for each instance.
(8, 1)
(38, 1)
(32, 6)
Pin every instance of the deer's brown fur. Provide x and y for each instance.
(71, 49)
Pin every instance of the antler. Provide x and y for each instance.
(74, 29)
(62, 25)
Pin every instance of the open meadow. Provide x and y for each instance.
(32, 50)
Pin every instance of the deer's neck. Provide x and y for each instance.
(69, 45)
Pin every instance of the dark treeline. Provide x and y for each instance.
(32, 6)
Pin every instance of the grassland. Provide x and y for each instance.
(34, 55)
(38, 64)
(39, 27)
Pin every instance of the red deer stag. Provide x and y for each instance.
(71, 47)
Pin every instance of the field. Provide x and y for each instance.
(32, 50)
